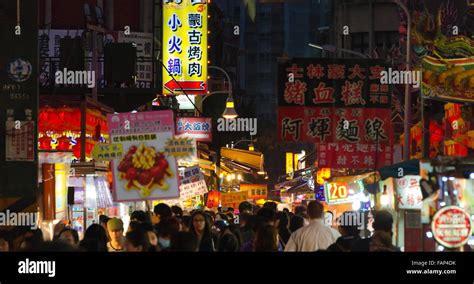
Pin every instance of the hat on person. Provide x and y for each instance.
(115, 224)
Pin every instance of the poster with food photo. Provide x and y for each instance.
(144, 171)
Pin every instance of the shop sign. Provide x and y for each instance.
(198, 128)
(229, 199)
(451, 226)
(180, 147)
(409, 194)
(185, 45)
(256, 191)
(104, 152)
(20, 141)
(190, 190)
(191, 174)
(337, 193)
(146, 171)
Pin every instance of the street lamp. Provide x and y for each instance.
(229, 112)
(332, 48)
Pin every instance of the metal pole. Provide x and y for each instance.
(407, 116)
(227, 75)
(94, 64)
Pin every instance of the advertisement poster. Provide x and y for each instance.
(198, 128)
(144, 172)
(409, 192)
(185, 47)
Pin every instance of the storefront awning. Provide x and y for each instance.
(411, 167)
(251, 159)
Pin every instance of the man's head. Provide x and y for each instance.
(383, 221)
(300, 209)
(349, 224)
(315, 210)
(267, 215)
(245, 207)
(271, 205)
(163, 211)
(115, 229)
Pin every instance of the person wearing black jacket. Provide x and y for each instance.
(201, 229)
(350, 231)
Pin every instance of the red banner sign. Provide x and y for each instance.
(346, 137)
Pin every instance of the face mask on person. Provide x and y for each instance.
(164, 243)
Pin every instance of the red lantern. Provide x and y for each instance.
(64, 143)
(213, 199)
(45, 143)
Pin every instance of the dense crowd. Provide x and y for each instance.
(254, 229)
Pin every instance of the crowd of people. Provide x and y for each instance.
(254, 229)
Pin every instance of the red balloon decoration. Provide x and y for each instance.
(64, 143)
(45, 143)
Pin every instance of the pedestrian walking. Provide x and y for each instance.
(316, 235)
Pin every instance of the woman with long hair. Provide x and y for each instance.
(201, 228)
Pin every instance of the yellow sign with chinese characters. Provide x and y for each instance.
(185, 47)
(180, 147)
(107, 152)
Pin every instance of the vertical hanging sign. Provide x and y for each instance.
(185, 46)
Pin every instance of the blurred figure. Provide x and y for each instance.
(69, 236)
(165, 230)
(283, 230)
(186, 223)
(201, 229)
(136, 241)
(381, 240)
(134, 225)
(95, 239)
(316, 235)
(184, 241)
(152, 236)
(267, 215)
(140, 217)
(103, 219)
(228, 243)
(55, 246)
(177, 211)
(350, 232)
(162, 212)
(58, 228)
(32, 239)
(266, 239)
(270, 204)
(245, 208)
(115, 228)
(4, 246)
(296, 222)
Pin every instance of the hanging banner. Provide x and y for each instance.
(185, 47)
(345, 137)
(233, 199)
(198, 128)
(451, 226)
(145, 172)
(409, 192)
(256, 191)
